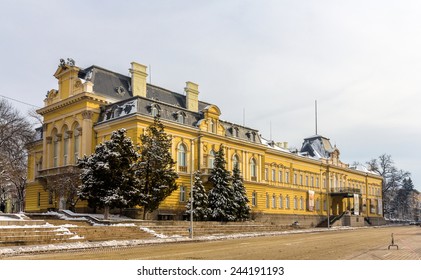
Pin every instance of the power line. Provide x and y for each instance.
(19, 101)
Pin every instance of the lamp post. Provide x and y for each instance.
(191, 184)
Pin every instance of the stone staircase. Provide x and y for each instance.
(55, 230)
(29, 232)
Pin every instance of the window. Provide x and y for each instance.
(50, 198)
(235, 132)
(287, 177)
(182, 158)
(155, 110)
(39, 200)
(295, 202)
(280, 176)
(267, 200)
(55, 140)
(317, 204)
(301, 203)
(273, 175)
(273, 201)
(266, 174)
(254, 198)
(235, 162)
(301, 180)
(212, 126)
(287, 202)
(281, 202)
(295, 178)
(324, 205)
(180, 117)
(253, 169)
(66, 148)
(55, 152)
(211, 159)
(182, 194)
(317, 182)
(76, 143)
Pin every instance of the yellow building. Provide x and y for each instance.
(283, 186)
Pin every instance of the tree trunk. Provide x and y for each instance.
(106, 212)
(144, 213)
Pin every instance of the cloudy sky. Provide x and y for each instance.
(361, 61)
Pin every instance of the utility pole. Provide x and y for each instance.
(191, 184)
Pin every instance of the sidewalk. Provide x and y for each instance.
(409, 248)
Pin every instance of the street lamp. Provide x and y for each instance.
(191, 184)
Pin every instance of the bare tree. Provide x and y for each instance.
(392, 179)
(64, 186)
(15, 133)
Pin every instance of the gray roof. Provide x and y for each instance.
(317, 146)
(170, 104)
(118, 86)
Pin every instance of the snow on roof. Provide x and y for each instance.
(271, 144)
(362, 168)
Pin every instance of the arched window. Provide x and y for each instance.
(182, 158)
(212, 126)
(235, 162)
(301, 203)
(281, 201)
(287, 202)
(211, 159)
(76, 142)
(181, 118)
(253, 169)
(55, 148)
(65, 146)
(155, 110)
(295, 202)
(273, 201)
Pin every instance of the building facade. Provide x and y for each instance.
(282, 185)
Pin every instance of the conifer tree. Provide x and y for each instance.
(201, 211)
(240, 196)
(221, 194)
(107, 175)
(155, 170)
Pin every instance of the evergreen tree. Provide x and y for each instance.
(155, 171)
(201, 211)
(107, 175)
(240, 196)
(221, 195)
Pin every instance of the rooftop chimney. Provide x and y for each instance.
(139, 75)
(192, 96)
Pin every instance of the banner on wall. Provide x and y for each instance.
(380, 207)
(310, 200)
(356, 204)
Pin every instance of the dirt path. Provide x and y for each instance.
(364, 243)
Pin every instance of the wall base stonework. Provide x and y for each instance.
(352, 221)
(305, 221)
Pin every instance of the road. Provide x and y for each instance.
(355, 244)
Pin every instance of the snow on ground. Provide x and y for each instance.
(16, 250)
(11, 217)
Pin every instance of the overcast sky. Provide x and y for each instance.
(361, 60)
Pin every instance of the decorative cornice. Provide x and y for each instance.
(71, 100)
